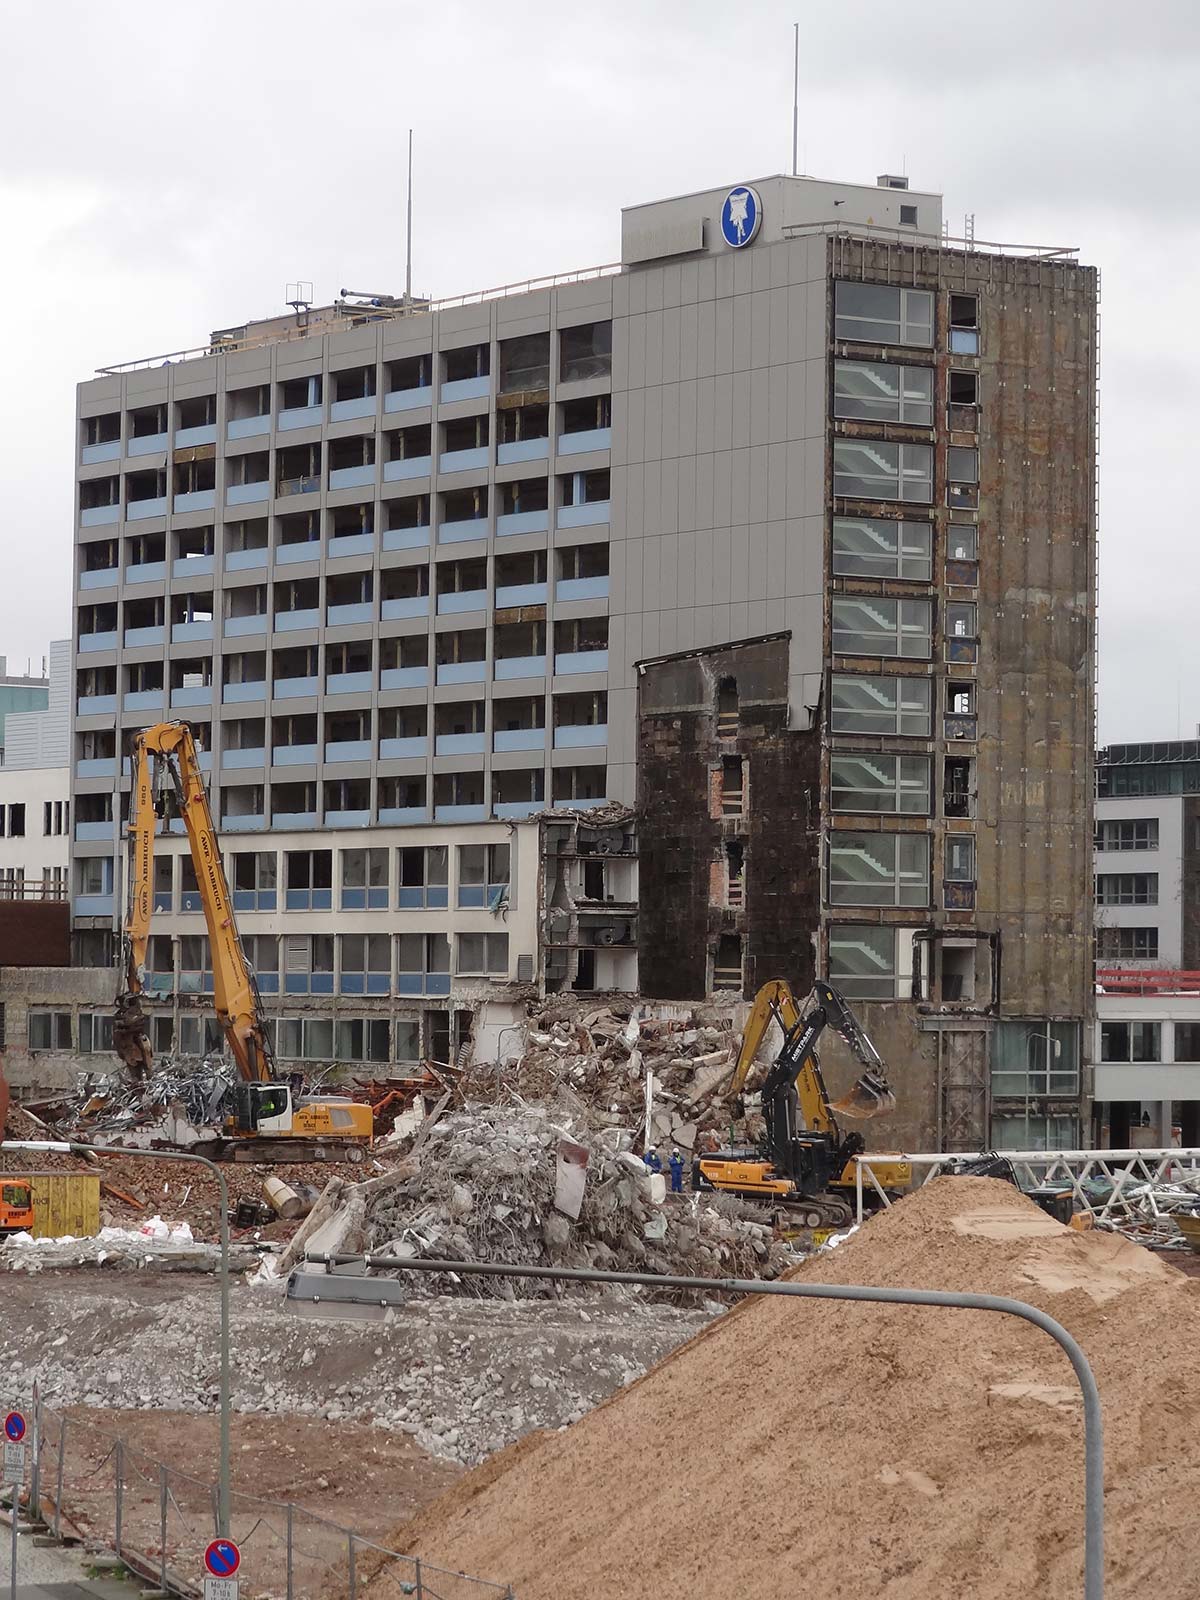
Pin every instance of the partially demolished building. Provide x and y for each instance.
(781, 533)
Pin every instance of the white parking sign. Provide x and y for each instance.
(14, 1462)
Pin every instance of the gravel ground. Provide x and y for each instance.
(462, 1377)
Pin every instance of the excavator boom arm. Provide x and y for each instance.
(797, 1062)
(170, 746)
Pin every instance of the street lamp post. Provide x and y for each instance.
(66, 1147)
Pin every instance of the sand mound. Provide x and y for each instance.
(806, 1447)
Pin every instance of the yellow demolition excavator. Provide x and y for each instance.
(804, 1162)
(262, 1123)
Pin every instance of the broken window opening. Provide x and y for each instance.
(727, 962)
(733, 786)
(735, 874)
(585, 352)
(964, 324)
(727, 709)
(960, 858)
(958, 796)
(472, 362)
(957, 971)
(525, 363)
(963, 388)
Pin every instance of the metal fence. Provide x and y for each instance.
(1103, 1182)
(87, 1481)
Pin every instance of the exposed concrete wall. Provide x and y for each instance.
(64, 989)
(685, 903)
(1031, 667)
(1037, 629)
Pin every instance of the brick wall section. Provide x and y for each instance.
(34, 933)
(681, 831)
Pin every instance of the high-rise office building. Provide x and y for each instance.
(782, 531)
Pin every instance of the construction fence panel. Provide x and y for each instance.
(91, 1484)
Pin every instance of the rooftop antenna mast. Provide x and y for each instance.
(408, 251)
(796, 107)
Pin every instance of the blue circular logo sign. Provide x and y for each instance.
(740, 216)
(14, 1427)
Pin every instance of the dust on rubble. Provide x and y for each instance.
(483, 1188)
(461, 1377)
(924, 1451)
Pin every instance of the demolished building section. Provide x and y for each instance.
(589, 900)
(729, 809)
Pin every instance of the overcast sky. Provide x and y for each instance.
(166, 169)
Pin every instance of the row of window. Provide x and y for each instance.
(346, 963)
(875, 313)
(878, 391)
(893, 869)
(1134, 833)
(1126, 944)
(415, 877)
(303, 469)
(56, 819)
(1142, 1041)
(1127, 888)
(458, 796)
(584, 353)
(885, 547)
(346, 1039)
(876, 469)
(876, 625)
(346, 537)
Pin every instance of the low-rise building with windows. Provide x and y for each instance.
(1147, 888)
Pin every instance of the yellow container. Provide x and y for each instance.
(65, 1203)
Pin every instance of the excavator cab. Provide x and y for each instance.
(16, 1205)
(262, 1108)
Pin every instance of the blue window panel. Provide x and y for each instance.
(353, 983)
(471, 896)
(411, 983)
(268, 982)
(437, 983)
(379, 983)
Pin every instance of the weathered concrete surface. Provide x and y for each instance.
(686, 906)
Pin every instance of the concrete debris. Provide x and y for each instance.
(483, 1187)
(456, 1375)
(168, 1246)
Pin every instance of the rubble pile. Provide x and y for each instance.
(179, 1104)
(603, 1058)
(483, 1187)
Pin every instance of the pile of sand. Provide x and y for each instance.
(801, 1447)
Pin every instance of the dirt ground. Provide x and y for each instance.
(351, 1476)
(874, 1449)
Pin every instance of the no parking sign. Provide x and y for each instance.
(221, 1562)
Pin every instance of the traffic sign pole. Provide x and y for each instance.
(221, 1562)
(14, 1476)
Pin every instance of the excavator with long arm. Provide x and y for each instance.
(262, 1124)
(804, 1162)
